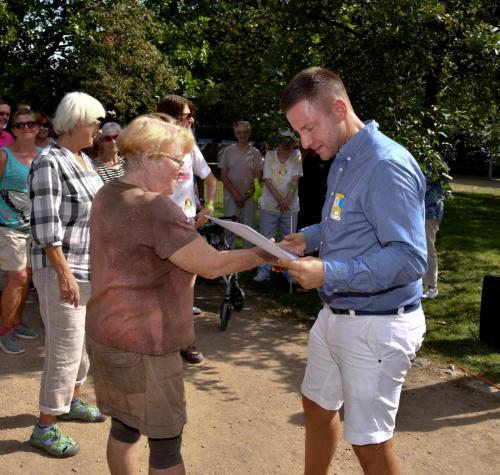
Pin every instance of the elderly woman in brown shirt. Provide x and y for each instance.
(145, 255)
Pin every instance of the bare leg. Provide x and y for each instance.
(14, 297)
(46, 419)
(122, 457)
(322, 437)
(378, 459)
(176, 470)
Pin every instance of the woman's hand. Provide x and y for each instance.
(284, 205)
(201, 217)
(69, 292)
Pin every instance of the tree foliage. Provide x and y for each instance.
(425, 69)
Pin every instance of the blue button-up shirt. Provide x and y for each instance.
(372, 235)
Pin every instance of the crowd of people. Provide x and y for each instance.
(86, 200)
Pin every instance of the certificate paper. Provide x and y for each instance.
(250, 235)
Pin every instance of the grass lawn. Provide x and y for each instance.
(469, 249)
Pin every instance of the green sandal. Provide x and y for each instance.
(83, 412)
(55, 443)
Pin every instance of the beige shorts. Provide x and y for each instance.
(142, 391)
(15, 248)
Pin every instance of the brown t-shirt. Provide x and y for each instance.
(140, 301)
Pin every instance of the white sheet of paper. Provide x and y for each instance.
(250, 235)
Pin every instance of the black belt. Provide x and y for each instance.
(392, 311)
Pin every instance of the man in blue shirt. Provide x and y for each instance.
(372, 254)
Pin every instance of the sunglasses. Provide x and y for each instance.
(179, 163)
(110, 138)
(45, 125)
(25, 125)
(182, 117)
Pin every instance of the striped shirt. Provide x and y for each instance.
(61, 195)
(106, 173)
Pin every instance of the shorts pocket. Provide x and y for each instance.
(124, 370)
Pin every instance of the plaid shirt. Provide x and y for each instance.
(61, 195)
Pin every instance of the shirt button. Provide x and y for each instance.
(332, 193)
(335, 290)
(321, 243)
(341, 169)
(348, 159)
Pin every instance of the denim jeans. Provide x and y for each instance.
(270, 222)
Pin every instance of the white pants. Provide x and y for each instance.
(361, 362)
(66, 362)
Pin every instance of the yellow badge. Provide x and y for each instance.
(338, 204)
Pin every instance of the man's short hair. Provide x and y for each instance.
(313, 84)
(3, 102)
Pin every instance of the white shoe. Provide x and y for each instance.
(196, 311)
(431, 293)
(261, 277)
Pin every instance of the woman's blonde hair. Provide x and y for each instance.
(153, 133)
(76, 108)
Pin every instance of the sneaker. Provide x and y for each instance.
(431, 293)
(54, 442)
(83, 412)
(9, 343)
(261, 277)
(22, 331)
(196, 311)
(192, 355)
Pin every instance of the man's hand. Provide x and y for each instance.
(240, 201)
(307, 271)
(295, 243)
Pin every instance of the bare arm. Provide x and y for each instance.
(3, 161)
(69, 292)
(198, 257)
(211, 184)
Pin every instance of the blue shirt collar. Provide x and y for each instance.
(352, 147)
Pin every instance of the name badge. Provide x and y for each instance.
(338, 204)
(188, 204)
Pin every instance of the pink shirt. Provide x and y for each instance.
(5, 139)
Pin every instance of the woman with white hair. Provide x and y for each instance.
(62, 184)
(108, 162)
(145, 254)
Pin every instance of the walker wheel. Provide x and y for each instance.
(237, 298)
(225, 315)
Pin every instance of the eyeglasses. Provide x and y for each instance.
(45, 125)
(25, 125)
(179, 163)
(109, 138)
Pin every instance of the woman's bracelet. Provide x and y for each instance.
(210, 206)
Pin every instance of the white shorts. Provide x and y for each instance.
(361, 362)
